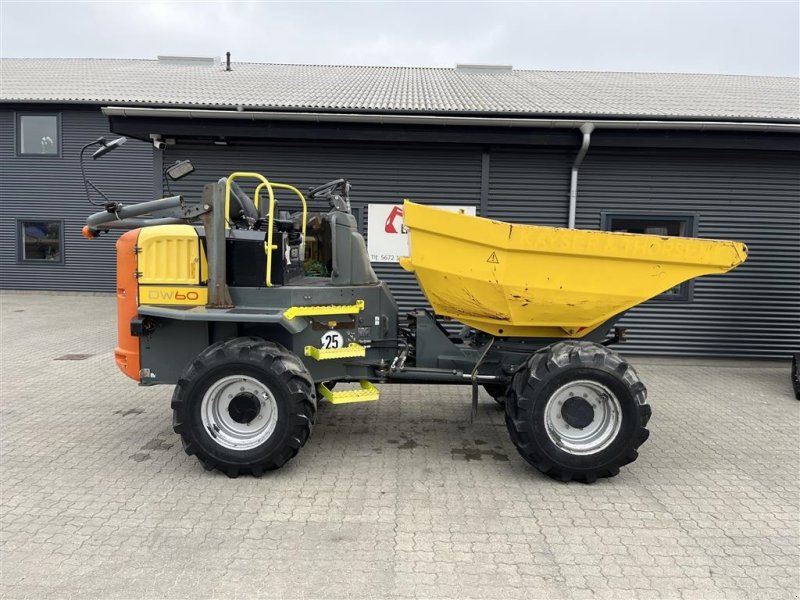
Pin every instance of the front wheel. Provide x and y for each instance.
(577, 411)
(244, 406)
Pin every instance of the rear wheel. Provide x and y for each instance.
(244, 406)
(577, 411)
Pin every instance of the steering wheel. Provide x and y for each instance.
(337, 192)
(325, 187)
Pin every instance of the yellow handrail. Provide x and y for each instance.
(291, 188)
(246, 174)
(268, 247)
(265, 183)
(284, 186)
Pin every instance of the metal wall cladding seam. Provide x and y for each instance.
(36, 187)
(379, 173)
(753, 197)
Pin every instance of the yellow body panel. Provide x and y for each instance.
(203, 265)
(171, 294)
(170, 255)
(531, 281)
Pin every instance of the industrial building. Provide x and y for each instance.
(713, 156)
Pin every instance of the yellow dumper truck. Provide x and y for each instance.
(217, 299)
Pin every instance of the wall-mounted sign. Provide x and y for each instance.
(387, 237)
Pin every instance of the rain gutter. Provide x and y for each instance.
(406, 119)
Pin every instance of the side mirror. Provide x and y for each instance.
(108, 147)
(180, 169)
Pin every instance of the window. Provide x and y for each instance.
(672, 225)
(41, 241)
(37, 135)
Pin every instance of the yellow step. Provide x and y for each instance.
(330, 309)
(349, 351)
(367, 393)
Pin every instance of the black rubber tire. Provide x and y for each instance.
(796, 375)
(286, 377)
(544, 373)
(497, 391)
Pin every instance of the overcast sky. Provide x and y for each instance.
(756, 38)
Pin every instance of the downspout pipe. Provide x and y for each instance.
(586, 129)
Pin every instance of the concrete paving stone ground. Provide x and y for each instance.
(399, 498)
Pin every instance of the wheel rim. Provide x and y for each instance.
(583, 417)
(239, 412)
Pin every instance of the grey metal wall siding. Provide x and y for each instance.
(753, 197)
(52, 188)
(748, 195)
(380, 173)
(529, 185)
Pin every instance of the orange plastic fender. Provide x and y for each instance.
(127, 351)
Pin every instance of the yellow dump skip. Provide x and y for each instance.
(531, 281)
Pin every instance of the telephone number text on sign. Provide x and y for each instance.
(387, 237)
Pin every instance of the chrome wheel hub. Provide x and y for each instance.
(239, 412)
(583, 417)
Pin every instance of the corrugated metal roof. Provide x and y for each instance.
(256, 86)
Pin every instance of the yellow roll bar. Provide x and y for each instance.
(246, 175)
(256, 200)
(265, 183)
(299, 194)
(284, 186)
(268, 246)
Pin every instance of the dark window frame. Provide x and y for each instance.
(21, 259)
(18, 134)
(685, 289)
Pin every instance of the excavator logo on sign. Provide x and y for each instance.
(394, 219)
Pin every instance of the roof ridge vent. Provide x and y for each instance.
(190, 61)
(466, 68)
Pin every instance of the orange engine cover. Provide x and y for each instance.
(127, 351)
